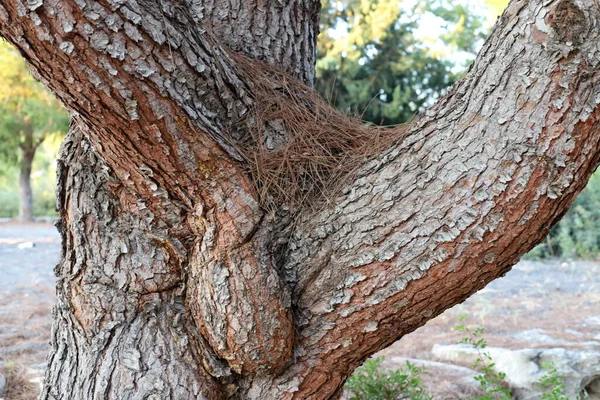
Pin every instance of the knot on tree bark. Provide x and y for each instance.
(568, 22)
(238, 302)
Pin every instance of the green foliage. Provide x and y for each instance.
(552, 383)
(28, 112)
(29, 115)
(465, 28)
(376, 61)
(9, 204)
(370, 382)
(377, 69)
(490, 382)
(42, 182)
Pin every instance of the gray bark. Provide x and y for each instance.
(120, 322)
(175, 283)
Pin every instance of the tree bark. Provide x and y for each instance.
(28, 149)
(175, 282)
(26, 195)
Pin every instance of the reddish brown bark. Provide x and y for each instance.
(176, 283)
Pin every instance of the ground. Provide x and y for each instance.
(26, 299)
(537, 304)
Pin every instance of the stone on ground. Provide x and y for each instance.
(579, 369)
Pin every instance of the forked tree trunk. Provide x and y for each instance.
(175, 283)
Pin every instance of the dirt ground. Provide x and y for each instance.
(546, 304)
(537, 304)
(26, 299)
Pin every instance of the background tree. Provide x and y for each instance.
(187, 273)
(373, 62)
(28, 115)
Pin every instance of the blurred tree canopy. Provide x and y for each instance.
(29, 114)
(386, 60)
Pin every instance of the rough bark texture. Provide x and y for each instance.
(121, 312)
(174, 283)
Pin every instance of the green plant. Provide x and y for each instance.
(375, 60)
(9, 203)
(371, 382)
(554, 385)
(552, 382)
(490, 381)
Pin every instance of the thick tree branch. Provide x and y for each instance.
(121, 72)
(477, 182)
(160, 100)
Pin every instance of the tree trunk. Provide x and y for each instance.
(26, 195)
(186, 273)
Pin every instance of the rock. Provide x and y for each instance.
(465, 375)
(2, 384)
(539, 337)
(536, 336)
(592, 321)
(579, 370)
